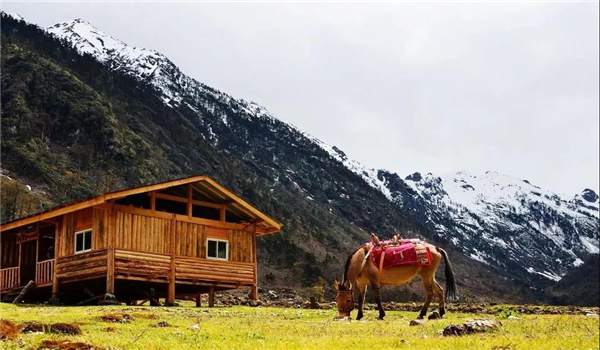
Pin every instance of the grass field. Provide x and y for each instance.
(243, 327)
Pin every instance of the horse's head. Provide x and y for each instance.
(344, 298)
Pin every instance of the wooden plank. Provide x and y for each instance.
(186, 200)
(171, 290)
(153, 201)
(189, 204)
(110, 253)
(254, 294)
(97, 270)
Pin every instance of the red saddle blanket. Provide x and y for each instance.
(407, 252)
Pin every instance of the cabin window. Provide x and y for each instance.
(83, 241)
(217, 249)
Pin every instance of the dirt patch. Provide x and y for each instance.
(65, 328)
(66, 345)
(162, 324)
(470, 327)
(109, 329)
(146, 316)
(57, 328)
(33, 327)
(117, 318)
(8, 330)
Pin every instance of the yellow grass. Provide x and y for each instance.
(275, 328)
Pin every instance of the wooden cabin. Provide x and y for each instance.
(178, 238)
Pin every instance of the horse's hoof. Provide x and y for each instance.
(359, 317)
(420, 317)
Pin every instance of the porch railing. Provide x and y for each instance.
(9, 277)
(44, 271)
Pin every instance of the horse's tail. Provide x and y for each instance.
(451, 292)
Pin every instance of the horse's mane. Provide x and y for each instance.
(347, 267)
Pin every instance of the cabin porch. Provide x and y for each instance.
(27, 255)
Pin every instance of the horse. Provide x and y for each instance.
(360, 272)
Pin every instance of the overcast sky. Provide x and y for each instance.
(429, 87)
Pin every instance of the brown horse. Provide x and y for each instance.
(360, 272)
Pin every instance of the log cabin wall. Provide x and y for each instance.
(142, 232)
(72, 267)
(79, 221)
(77, 267)
(143, 252)
(240, 246)
(191, 240)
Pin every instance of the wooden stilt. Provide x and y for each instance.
(171, 291)
(110, 253)
(198, 300)
(211, 297)
(55, 282)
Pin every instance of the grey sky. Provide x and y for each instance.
(430, 87)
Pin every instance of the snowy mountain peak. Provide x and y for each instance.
(16, 16)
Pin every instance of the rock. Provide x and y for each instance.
(416, 323)
(109, 299)
(255, 303)
(272, 295)
(343, 319)
(119, 318)
(434, 316)
(470, 327)
(162, 324)
(511, 317)
(195, 327)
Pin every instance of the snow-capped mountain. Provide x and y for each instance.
(507, 222)
(501, 221)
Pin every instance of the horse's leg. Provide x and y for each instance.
(362, 293)
(439, 291)
(428, 285)
(377, 295)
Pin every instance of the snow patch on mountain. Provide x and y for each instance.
(501, 214)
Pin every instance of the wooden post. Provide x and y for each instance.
(20, 258)
(189, 200)
(110, 251)
(171, 291)
(55, 282)
(153, 201)
(254, 294)
(211, 296)
(223, 213)
(198, 299)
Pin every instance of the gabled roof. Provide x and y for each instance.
(208, 187)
